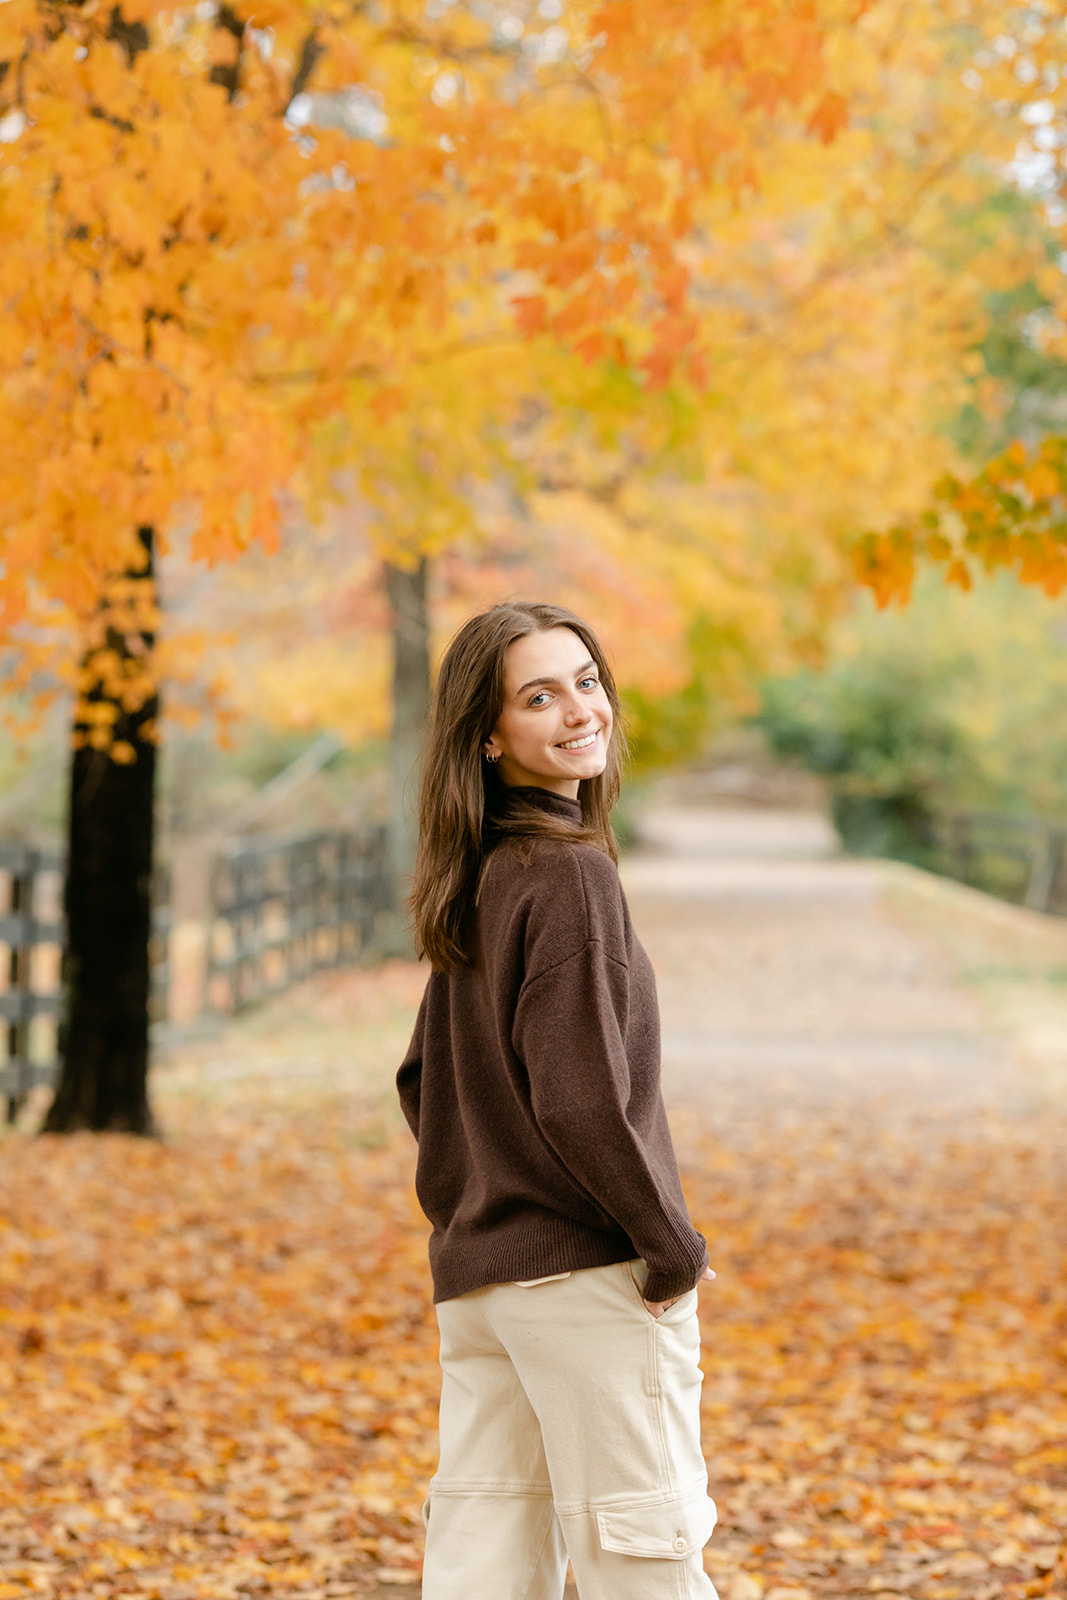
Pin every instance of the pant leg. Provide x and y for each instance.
(616, 1394)
(491, 1527)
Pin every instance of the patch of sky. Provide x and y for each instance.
(445, 89)
(298, 111)
(1040, 326)
(263, 39)
(11, 126)
(1037, 112)
(549, 10)
(357, 111)
(548, 46)
(1033, 170)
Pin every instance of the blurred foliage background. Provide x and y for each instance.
(954, 704)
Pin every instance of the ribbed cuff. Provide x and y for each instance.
(665, 1285)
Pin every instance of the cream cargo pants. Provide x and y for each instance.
(570, 1426)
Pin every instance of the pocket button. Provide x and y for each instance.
(679, 1544)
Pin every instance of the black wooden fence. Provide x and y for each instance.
(31, 931)
(281, 909)
(1016, 858)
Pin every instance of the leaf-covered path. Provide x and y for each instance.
(881, 1177)
(217, 1357)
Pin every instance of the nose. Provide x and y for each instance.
(576, 714)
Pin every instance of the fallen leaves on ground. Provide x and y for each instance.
(218, 1357)
(885, 1354)
(217, 1362)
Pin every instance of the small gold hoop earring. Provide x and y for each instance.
(490, 757)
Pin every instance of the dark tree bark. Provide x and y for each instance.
(104, 1051)
(406, 590)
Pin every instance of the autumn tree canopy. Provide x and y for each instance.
(613, 248)
(707, 514)
(199, 260)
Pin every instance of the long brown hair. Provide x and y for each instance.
(465, 810)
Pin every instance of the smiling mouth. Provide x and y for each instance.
(583, 743)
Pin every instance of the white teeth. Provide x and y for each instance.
(580, 744)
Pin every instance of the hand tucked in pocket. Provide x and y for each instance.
(658, 1307)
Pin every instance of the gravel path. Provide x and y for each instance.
(786, 979)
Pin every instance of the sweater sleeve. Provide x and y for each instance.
(570, 1032)
(409, 1075)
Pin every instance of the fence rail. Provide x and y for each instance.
(1016, 858)
(280, 909)
(31, 928)
(285, 908)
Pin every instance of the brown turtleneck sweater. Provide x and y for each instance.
(532, 1085)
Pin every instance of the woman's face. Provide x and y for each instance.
(556, 720)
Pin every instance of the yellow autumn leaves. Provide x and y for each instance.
(719, 245)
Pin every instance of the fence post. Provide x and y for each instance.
(18, 1027)
(1045, 870)
(961, 836)
(291, 906)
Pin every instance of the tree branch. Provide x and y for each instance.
(366, 369)
(228, 74)
(310, 52)
(114, 347)
(132, 36)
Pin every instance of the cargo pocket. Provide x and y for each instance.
(670, 1531)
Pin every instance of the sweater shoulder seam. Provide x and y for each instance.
(563, 960)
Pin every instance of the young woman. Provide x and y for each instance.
(564, 1262)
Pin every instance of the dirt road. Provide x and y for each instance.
(785, 977)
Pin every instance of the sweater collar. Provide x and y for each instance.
(556, 805)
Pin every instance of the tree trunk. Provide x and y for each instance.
(406, 589)
(104, 1056)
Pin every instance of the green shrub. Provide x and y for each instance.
(954, 704)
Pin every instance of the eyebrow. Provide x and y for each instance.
(553, 683)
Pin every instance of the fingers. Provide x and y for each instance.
(658, 1307)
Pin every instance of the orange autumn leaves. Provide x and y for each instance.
(218, 1372)
(1012, 514)
(886, 1392)
(218, 1365)
(302, 246)
(192, 279)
